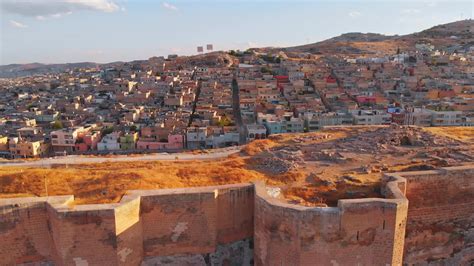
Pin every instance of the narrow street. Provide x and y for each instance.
(196, 99)
(322, 96)
(236, 109)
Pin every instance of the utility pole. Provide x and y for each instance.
(46, 185)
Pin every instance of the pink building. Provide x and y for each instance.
(366, 99)
(88, 141)
(175, 142)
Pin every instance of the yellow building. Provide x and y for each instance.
(3, 144)
(26, 149)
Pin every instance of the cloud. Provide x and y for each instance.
(169, 6)
(410, 11)
(176, 50)
(58, 15)
(17, 24)
(432, 4)
(354, 14)
(42, 9)
(251, 44)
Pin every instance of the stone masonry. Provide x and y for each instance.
(425, 218)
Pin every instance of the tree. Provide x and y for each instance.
(224, 122)
(57, 124)
(107, 130)
(265, 70)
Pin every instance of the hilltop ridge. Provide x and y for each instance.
(347, 43)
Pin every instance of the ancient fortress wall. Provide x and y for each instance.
(155, 223)
(440, 226)
(243, 224)
(356, 232)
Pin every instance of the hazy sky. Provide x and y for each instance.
(53, 31)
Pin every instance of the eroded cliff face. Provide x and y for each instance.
(440, 225)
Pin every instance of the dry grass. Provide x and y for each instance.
(313, 183)
(465, 134)
(98, 183)
(108, 182)
(257, 146)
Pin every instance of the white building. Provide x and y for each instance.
(371, 117)
(109, 142)
(256, 132)
(196, 137)
(446, 118)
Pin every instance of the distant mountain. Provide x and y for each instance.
(463, 29)
(361, 37)
(212, 59)
(459, 32)
(353, 43)
(22, 70)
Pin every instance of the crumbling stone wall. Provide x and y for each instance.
(25, 234)
(216, 226)
(356, 232)
(209, 222)
(440, 226)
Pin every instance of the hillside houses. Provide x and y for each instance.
(177, 103)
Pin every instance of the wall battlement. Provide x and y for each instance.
(440, 225)
(365, 231)
(222, 224)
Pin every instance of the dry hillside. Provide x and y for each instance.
(311, 168)
(361, 44)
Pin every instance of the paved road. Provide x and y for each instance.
(324, 100)
(236, 110)
(78, 159)
(196, 98)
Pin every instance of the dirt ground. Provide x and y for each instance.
(313, 169)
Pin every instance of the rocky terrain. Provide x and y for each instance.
(332, 166)
(314, 169)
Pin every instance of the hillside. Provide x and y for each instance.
(459, 32)
(23, 70)
(353, 43)
(213, 59)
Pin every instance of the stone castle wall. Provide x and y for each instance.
(440, 225)
(155, 223)
(362, 232)
(242, 224)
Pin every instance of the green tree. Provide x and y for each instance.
(224, 122)
(57, 124)
(265, 70)
(107, 130)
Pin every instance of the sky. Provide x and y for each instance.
(61, 31)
